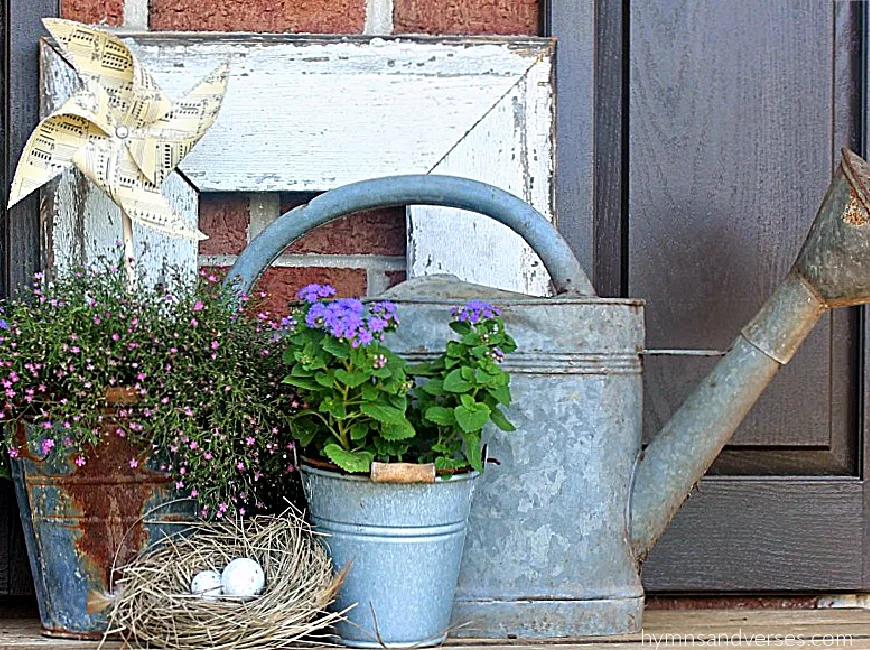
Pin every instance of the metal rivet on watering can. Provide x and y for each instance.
(551, 549)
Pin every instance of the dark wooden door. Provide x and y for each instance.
(716, 127)
(20, 30)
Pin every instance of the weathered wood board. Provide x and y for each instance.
(307, 113)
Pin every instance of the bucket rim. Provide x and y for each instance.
(364, 478)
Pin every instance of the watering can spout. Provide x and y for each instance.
(832, 270)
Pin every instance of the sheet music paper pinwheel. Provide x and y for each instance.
(120, 130)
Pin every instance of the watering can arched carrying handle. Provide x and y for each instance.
(446, 191)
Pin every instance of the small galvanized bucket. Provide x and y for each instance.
(401, 545)
(81, 521)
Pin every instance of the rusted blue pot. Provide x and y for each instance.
(80, 522)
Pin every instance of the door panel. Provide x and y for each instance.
(736, 113)
(20, 30)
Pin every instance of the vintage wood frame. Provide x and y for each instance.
(310, 113)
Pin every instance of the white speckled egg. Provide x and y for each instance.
(243, 578)
(206, 584)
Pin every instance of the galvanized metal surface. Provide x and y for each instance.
(551, 550)
(547, 552)
(79, 522)
(446, 191)
(401, 545)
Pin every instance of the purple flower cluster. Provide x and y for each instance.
(346, 318)
(474, 311)
(314, 292)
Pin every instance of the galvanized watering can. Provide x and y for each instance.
(557, 531)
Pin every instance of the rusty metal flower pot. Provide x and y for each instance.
(81, 521)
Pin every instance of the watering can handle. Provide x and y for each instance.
(420, 189)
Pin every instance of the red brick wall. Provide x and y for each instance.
(357, 254)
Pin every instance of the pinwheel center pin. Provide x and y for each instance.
(122, 132)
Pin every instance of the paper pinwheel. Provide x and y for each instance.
(120, 130)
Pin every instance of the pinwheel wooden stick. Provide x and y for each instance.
(120, 130)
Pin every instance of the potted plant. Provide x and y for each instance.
(391, 455)
(129, 412)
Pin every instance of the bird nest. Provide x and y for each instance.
(153, 606)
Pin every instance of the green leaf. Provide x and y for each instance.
(461, 328)
(334, 347)
(369, 392)
(304, 436)
(335, 407)
(352, 379)
(500, 393)
(483, 377)
(350, 461)
(500, 420)
(454, 383)
(299, 371)
(444, 462)
(400, 431)
(383, 373)
(391, 448)
(471, 418)
(433, 386)
(323, 379)
(300, 382)
(473, 450)
(383, 413)
(440, 415)
(359, 431)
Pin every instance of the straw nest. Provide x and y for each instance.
(153, 606)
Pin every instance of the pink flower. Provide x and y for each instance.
(134, 462)
(188, 411)
(215, 345)
(207, 455)
(140, 376)
(194, 444)
(194, 322)
(194, 493)
(47, 445)
(198, 306)
(115, 337)
(120, 433)
(240, 466)
(223, 507)
(75, 349)
(249, 441)
(242, 512)
(13, 452)
(81, 461)
(179, 485)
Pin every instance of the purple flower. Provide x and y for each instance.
(474, 311)
(134, 463)
(198, 306)
(314, 292)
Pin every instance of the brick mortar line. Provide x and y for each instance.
(136, 14)
(379, 18)
(319, 260)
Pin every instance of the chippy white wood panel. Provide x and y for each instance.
(81, 223)
(314, 113)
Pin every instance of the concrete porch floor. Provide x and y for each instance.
(817, 628)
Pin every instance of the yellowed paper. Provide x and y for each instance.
(120, 130)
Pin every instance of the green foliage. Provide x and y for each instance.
(361, 402)
(463, 390)
(354, 389)
(204, 374)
